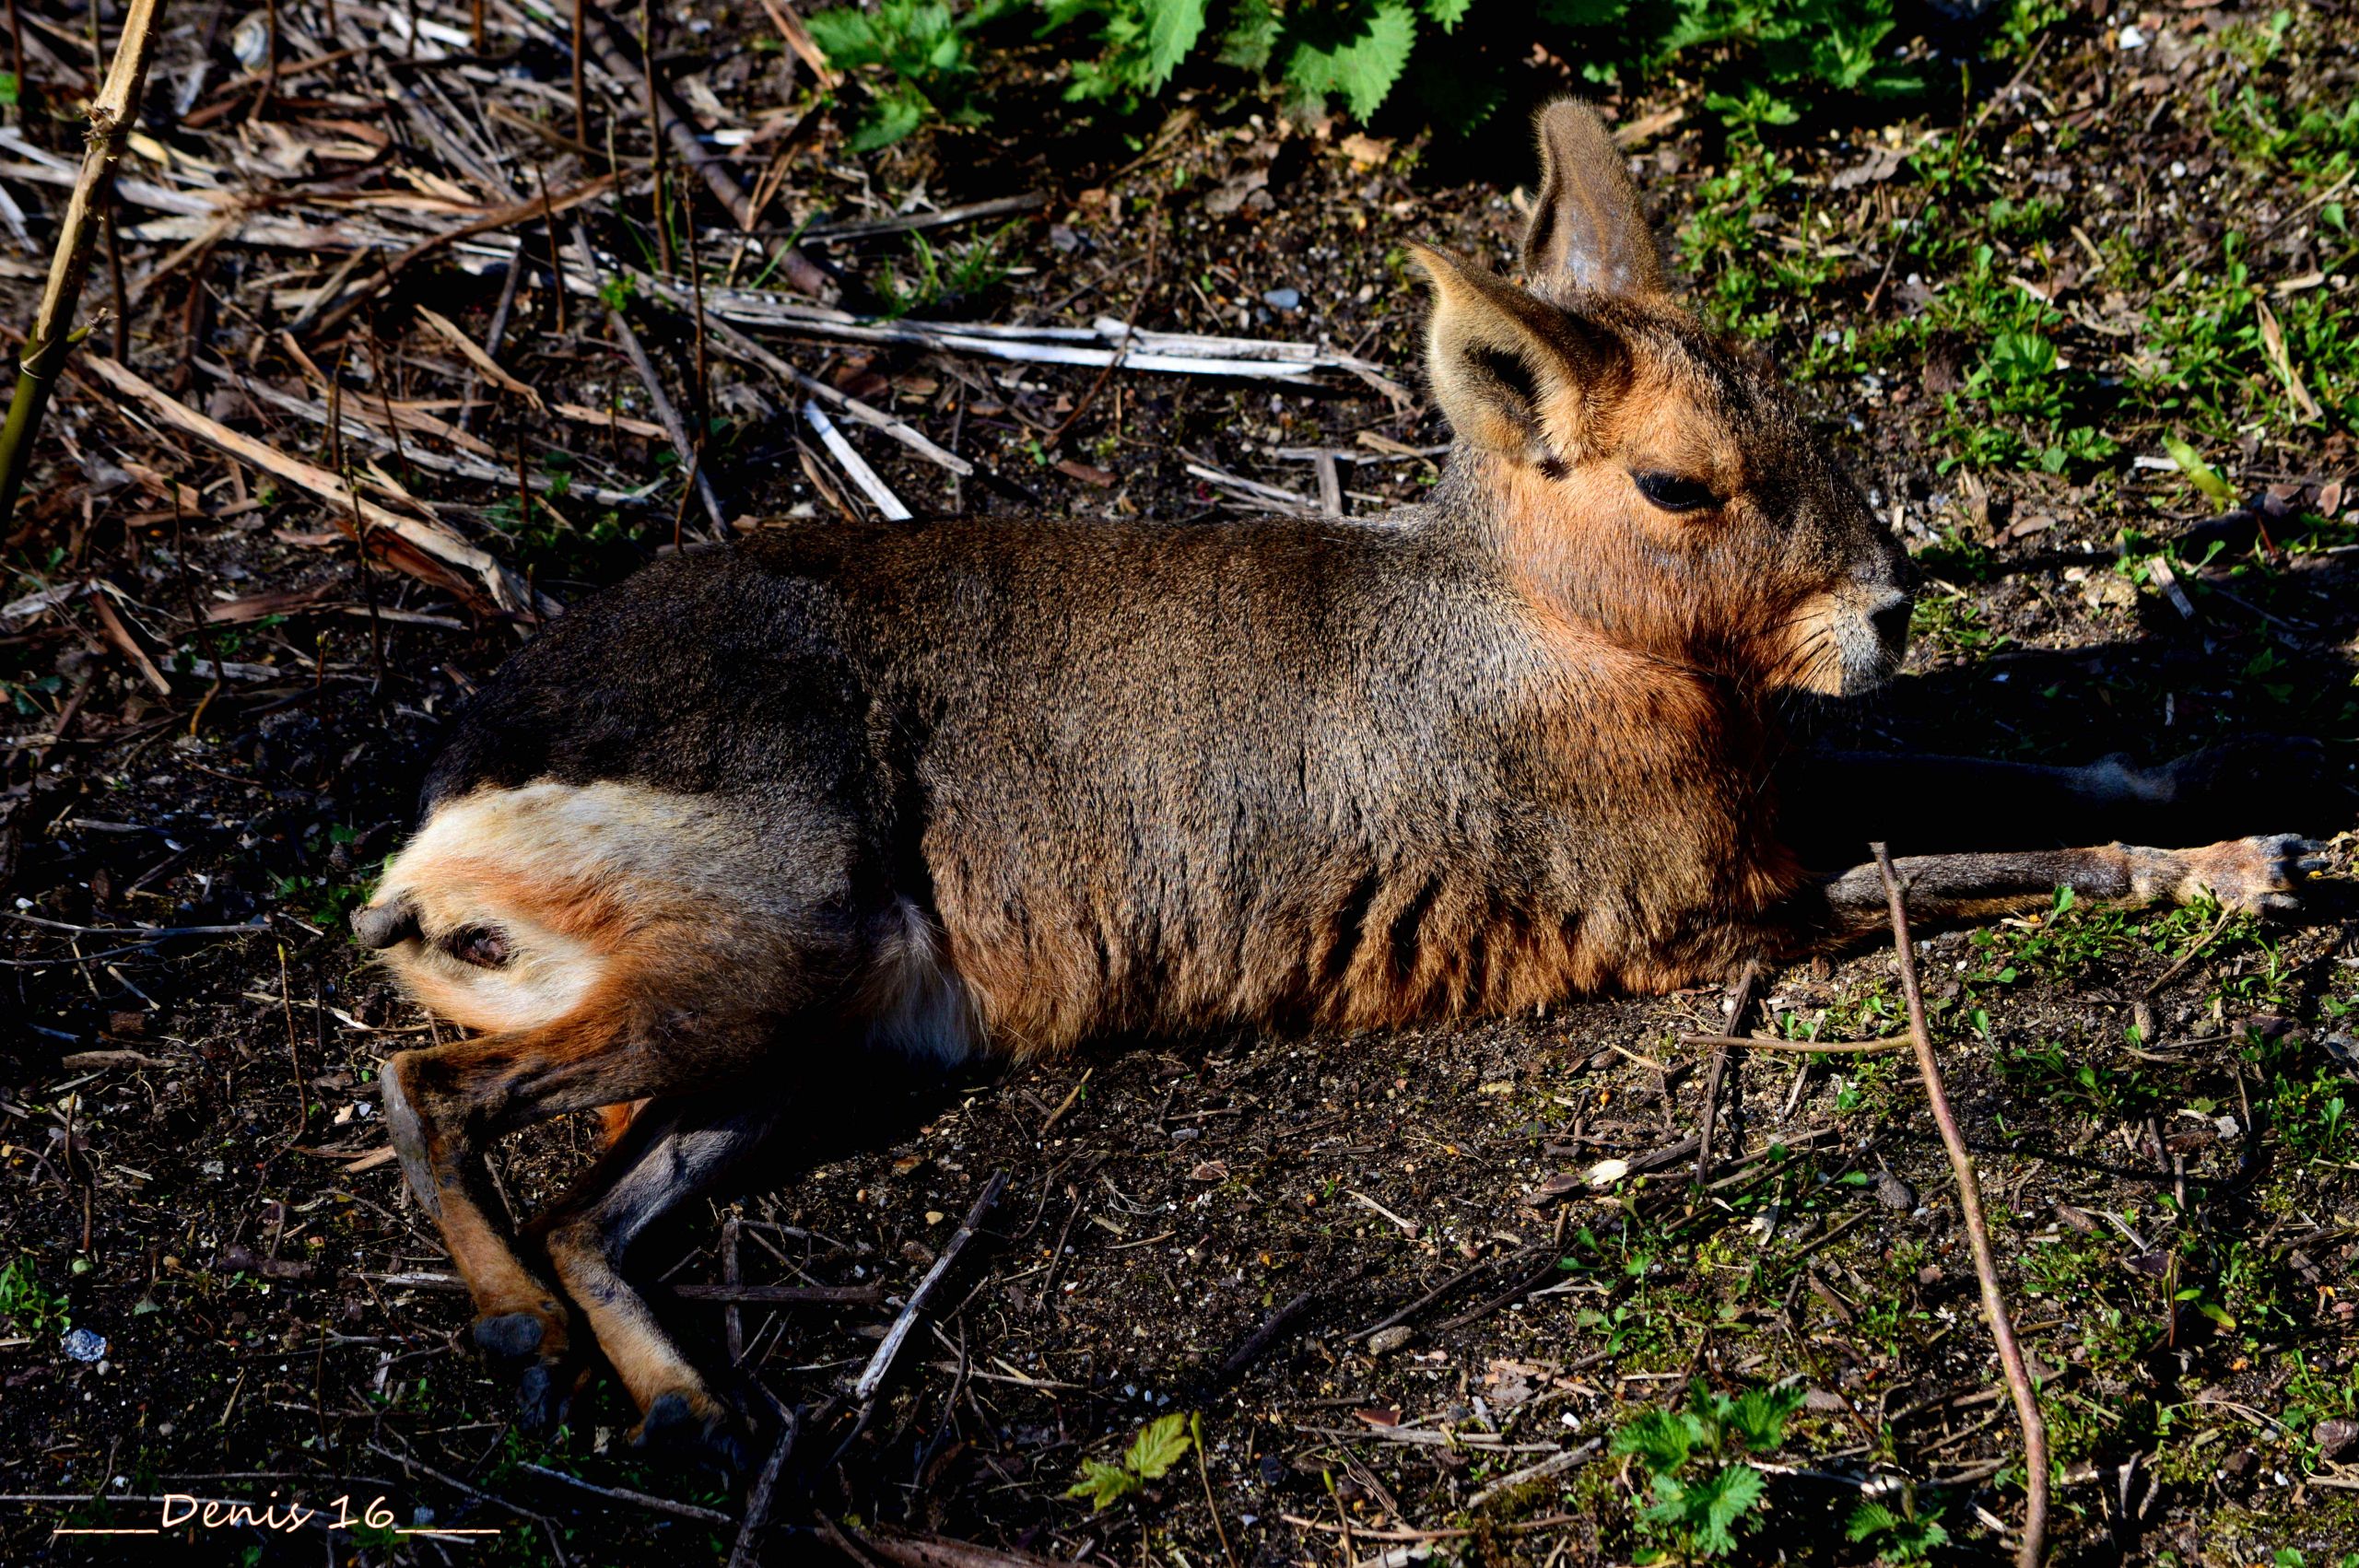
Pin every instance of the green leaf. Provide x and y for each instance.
(1172, 29)
(2201, 474)
(1584, 13)
(1759, 1416)
(1870, 1519)
(10, 89)
(1252, 36)
(1161, 1445)
(1360, 62)
(1708, 1511)
(1103, 1484)
(1447, 14)
(899, 110)
(847, 37)
(1661, 1441)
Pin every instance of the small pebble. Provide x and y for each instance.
(1283, 299)
(2131, 37)
(1384, 1342)
(1895, 1194)
(83, 1345)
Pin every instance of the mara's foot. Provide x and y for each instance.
(694, 1425)
(533, 1346)
(2253, 876)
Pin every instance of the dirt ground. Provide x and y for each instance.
(1372, 1267)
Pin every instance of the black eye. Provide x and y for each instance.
(482, 946)
(1674, 493)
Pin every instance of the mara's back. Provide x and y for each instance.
(1142, 775)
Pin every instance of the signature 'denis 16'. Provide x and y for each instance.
(842, 805)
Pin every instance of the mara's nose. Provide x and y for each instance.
(1891, 621)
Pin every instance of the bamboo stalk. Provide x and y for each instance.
(111, 115)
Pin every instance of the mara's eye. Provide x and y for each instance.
(483, 946)
(1674, 493)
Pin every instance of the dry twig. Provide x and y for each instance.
(1977, 1231)
(111, 115)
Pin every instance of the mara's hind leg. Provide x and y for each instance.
(673, 1150)
(2255, 875)
(443, 1105)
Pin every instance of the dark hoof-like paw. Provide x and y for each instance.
(510, 1337)
(531, 1348)
(543, 1396)
(696, 1427)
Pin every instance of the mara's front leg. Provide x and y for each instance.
(2256, 875)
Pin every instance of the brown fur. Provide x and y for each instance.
(882, 798)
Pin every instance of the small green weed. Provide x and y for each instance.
(1695, 1462)
(1160, 1445)
(921, 47)
(940, 276)
(1952, 623)
(31, 1306)
(1905, 1535)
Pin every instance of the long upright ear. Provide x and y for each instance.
(1588, 230)
(1514, 373)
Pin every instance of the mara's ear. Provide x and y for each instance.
(1588, 230)
(1514, 373)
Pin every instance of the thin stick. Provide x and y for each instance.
(113, 112)
(782, 1295)
(654, 137)
(1204, 1474)
(548, 220)
(115, 284)
(504, 587)
(702, 406)
(581, 97)
(2192, 954)
(880, 1365)
(800, 272)
(269, 68)
(743, 1554)
(336, 454)
(636, 1499)
(666, 414)
(1925, 206)
(1802, 1047)
(1977, 1231)
(1739, 1003)
(871, 483)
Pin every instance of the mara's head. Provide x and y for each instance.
(1650, 477)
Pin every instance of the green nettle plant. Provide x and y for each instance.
(1310, 54)
(1905, 1535)
(922, 47)
(1705, 1489)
